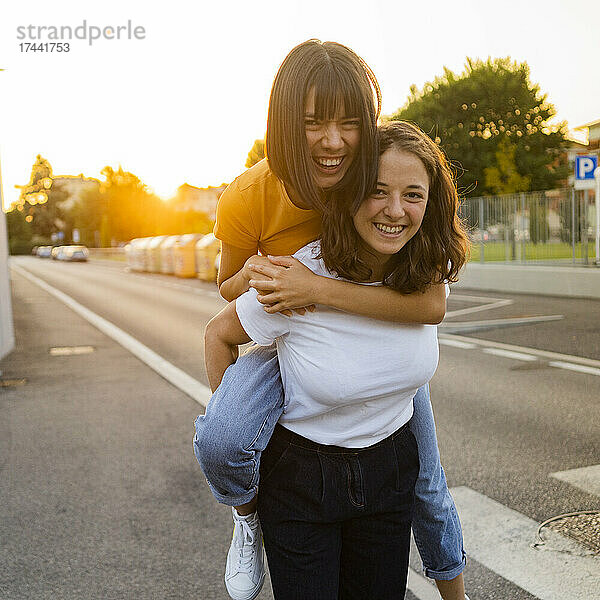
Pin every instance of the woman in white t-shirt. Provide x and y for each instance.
(338, 476)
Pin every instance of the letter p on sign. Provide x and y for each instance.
(585, 166)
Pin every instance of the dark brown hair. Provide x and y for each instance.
(341, 80)
(438, 250)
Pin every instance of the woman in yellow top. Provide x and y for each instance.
(320, 147)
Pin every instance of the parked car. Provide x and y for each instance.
(44, 251)
(54, 252)
(72, 253)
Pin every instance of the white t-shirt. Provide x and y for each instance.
(348, 380)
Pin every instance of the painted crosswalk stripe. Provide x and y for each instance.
(501, 539)
(421, 587)
(584, 478)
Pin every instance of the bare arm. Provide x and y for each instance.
(233, 270)
(291, 284)
(224, 333)
(380, 302)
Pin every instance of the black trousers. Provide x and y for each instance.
(336, 521)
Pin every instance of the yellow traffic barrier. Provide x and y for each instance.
(167, 259)
(207, 250)
(184, 255)
(153, 253)
(137, 254)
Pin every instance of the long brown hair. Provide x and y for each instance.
(341, 79)
(438, 250)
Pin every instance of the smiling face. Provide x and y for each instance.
(332, 143)
(393, 213)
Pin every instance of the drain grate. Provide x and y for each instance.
(71, 350)
(582, 527)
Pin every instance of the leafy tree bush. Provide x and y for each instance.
(491, 117)
(256, 154)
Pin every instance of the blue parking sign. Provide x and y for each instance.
(585, 167)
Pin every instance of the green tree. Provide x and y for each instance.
(87, 215)
(124, 207)
(256, 154)
(19, 231)
(40, 182)
(538, 219)
(471, 114)
(503, 177)
(43, 202)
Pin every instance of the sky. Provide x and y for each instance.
(185, 101)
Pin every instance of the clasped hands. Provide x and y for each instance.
(283, 284)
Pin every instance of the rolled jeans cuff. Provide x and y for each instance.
(447, 574)
(230, 500)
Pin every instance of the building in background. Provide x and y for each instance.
(593, 135)
(204, 200)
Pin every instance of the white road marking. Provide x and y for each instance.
(495, 323)
(584, 478)
(561, 361)
(488, 304)
(457, 344)
(421, 587)
(501, 539)
(510, 354)
(571, 367)
(174, 375)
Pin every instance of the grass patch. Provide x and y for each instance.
(500, 252)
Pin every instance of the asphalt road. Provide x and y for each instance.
(503, 425)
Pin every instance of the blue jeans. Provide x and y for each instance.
(238, 424)
(336, 521)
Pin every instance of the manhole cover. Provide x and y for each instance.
(582, 527)
(71, 350)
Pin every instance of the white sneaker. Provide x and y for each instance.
(245, 569)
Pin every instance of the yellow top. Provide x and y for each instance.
(255, 213)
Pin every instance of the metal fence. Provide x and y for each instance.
(551, 227)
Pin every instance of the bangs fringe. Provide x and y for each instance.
(335, 94)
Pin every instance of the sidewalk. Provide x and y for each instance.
(101, 496)
(569, 281)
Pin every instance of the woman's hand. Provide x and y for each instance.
(284, 284)
(250, 274)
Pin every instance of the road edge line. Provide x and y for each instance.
(174, 375)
